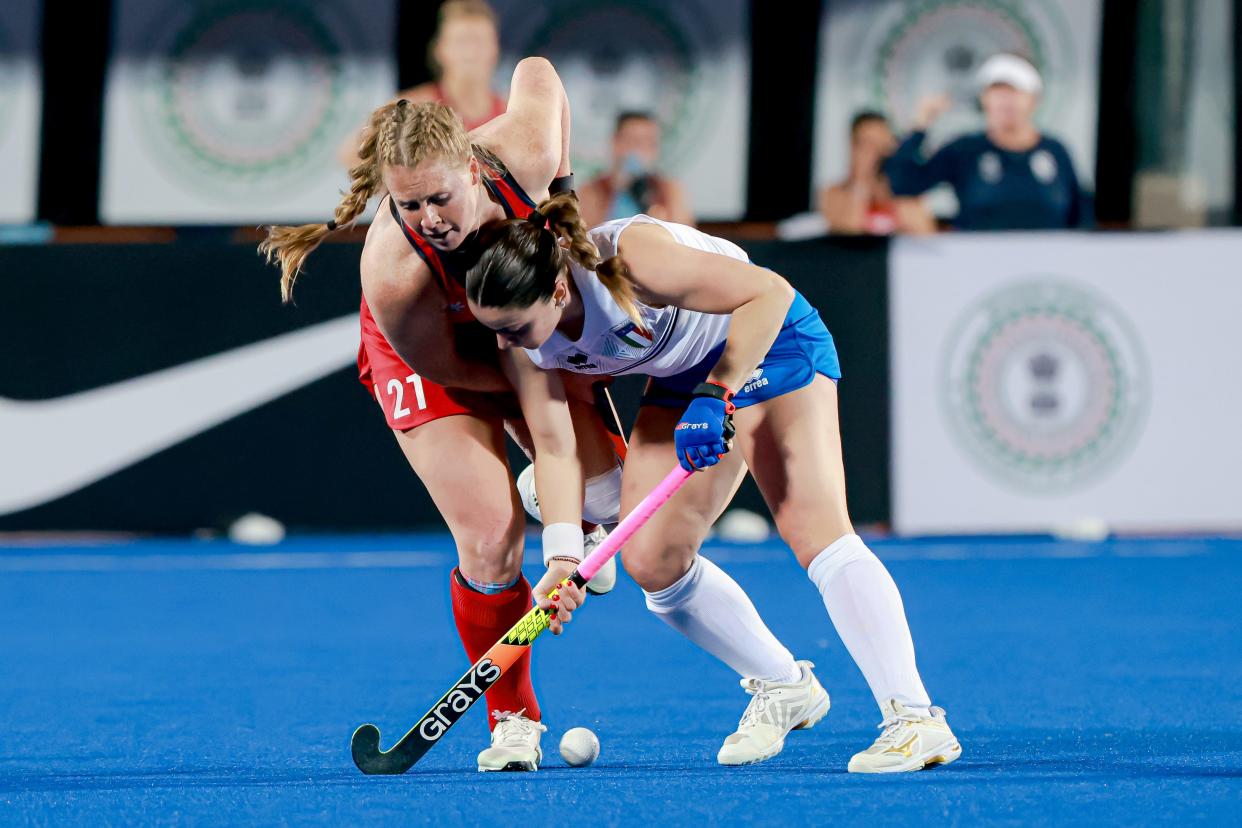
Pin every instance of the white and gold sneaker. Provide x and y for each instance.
(774, 710)
(910, 741)
(515, 744)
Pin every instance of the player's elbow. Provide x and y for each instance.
(779, 288)
(537, 75)
(534, 63)
(536, 79)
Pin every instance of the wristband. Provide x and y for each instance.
(718, 391)
(563, 540)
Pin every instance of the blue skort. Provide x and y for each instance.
(802, 349)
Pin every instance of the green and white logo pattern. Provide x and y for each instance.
(615, 55)
(244, 96)
(1045, 384)
(937, 46)
(890, 54)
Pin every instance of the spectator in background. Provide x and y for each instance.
(1009, 177)
(633, 185)
(462, 56)
(864, 202)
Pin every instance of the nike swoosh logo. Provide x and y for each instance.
(49, 448)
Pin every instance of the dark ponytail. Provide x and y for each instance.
(517, 266)
(521, 260)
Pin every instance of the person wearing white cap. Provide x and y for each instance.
(1011, 176)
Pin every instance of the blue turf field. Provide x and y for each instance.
(203, 683)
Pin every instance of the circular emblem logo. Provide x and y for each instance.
(917, 48)
(617, 55)
(246, 95)
(1043, 166)
(1046, 384)
(990, 167)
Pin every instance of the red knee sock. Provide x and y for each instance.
(481, 621)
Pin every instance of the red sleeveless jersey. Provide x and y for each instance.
(449, 268)
(407, 399)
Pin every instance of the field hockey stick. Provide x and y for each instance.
(467, 690)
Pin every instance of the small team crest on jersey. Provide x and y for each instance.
(627, 341)
(632, 335)
(1044, 166)
(990, 167)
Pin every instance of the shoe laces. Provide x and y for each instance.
(758, 688)
(514, 729)
(892, 727)
(597, 536)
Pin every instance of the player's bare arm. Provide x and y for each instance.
(558, 471)
(667, 273)
(409, 309)
(534, 131)
(558, 477)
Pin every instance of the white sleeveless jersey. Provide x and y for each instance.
(670, 340)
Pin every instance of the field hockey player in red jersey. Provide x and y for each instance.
(434, 370)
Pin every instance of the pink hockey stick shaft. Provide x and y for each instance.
(631, 524)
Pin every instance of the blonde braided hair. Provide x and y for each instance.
(399, 134)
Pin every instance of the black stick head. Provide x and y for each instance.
(365, 746)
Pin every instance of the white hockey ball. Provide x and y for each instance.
(579, 747)
(256, 530)
(743, 526)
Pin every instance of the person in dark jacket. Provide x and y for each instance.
(1008, 177)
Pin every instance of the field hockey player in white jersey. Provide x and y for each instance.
(735, 355)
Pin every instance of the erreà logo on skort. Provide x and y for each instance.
(757, 380)
(1045, 384)
(458, 700)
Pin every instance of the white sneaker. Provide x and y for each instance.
(910, 742)
(775, 710)
(515, 744)
(606, 578)
(526, 492)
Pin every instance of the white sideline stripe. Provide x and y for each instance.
(241, 561)
(288, 561)
(886, 551)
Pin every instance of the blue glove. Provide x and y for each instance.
(706, 429)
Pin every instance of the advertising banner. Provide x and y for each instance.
(687, 63)
(886, 55)
(234, 111)
(1042, 380)
(21, 103)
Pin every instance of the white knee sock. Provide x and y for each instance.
(708, 607)
(866, 609)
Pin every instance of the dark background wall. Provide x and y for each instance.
(322, 457)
